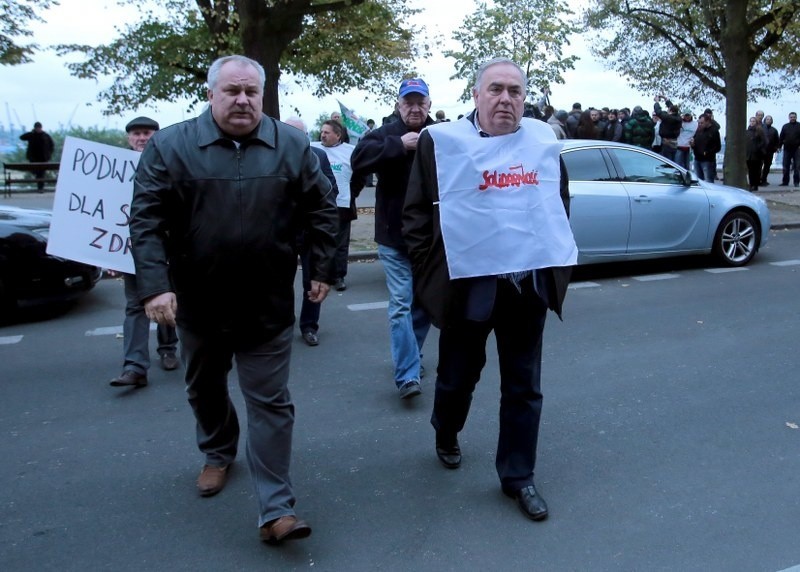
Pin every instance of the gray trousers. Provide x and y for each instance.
(263, 379)
(136, 332)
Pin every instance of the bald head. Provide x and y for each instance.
(297, 123)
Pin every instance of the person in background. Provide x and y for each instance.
(557, 123)
(688, 129)
(308, 322)
(669, 128)
(40, 150)
(218, 203)
(336, 116)
(389, 152)
(773, 143)
(639, 129)
(370, 180)
(789, 139)
(339, 154)
(706, 144)
(756, 143)
(477, 273)
(613, 128)
(136, 327)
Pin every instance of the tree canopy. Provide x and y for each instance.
(15, 16)
(532, 33)
(702, 51)
(327, 46)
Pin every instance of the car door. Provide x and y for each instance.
(666, 215)
(599, 205)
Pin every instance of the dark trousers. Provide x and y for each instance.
(342, 242)
(136, 332)
(263, 373)
(766, 167)
(39, 175)
(518, 321)
(790, 160)
(309, 311)
(754, 172)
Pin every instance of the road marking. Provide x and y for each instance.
(8, 340)
(654, 277)
(109, 331)
(724, 270)
(786, 263)
(576, 285)
(114, 330)
(368, 306)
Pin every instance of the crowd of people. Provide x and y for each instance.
(193, 239)
(224, 204)
(679, 136)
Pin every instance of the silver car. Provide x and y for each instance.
(628, 203)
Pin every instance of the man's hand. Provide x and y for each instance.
(162, 308)
(318, 292)
(410, 140)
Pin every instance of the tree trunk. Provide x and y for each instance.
(735, 43)
(266, 33)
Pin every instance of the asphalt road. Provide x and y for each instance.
(669, 440)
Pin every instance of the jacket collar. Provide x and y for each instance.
(209, 132)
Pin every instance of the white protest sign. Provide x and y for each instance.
(91, 208)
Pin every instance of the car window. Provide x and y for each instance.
(586, 165)
(643, 168)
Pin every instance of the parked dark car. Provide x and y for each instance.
(30, 276)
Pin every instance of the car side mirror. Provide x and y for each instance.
(687, 178)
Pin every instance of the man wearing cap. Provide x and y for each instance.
(389, 152)
(136, 327)
(486, 224)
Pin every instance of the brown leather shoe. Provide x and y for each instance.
(284, 528)
(212, 480)
(169, 361)
(129, 378)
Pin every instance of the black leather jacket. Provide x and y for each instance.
(217, 224)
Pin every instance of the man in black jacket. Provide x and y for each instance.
(40, 150)
(670, 127)
(790, 141)
(488, 257)
(218, 203)
(389, 152)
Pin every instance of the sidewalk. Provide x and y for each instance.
(784, 208)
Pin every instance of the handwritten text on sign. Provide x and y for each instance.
(91, 209)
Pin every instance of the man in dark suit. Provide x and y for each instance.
(485, 220)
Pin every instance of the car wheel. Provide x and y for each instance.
(737, 239)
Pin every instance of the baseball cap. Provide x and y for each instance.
(413, 85)
(142, 122)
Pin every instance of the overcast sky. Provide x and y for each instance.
(45, 91)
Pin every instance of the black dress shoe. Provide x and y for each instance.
(448, 451)
(530, 502)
